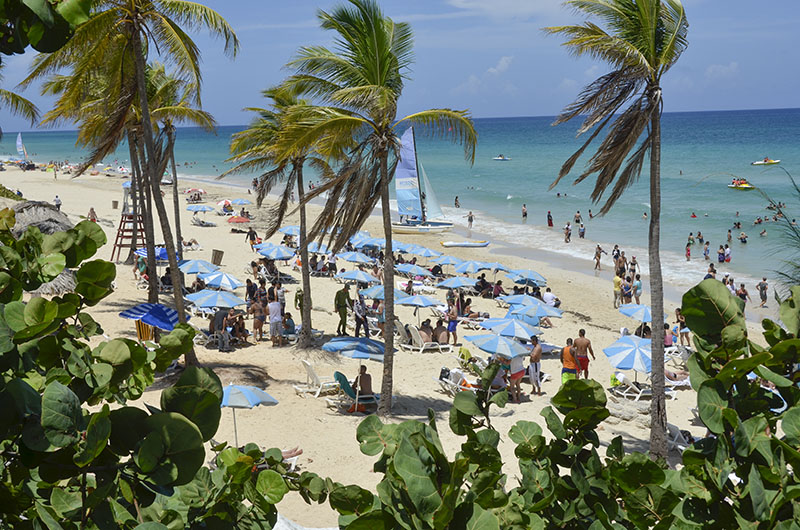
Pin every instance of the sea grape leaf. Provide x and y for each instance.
(198, 405)
(790, 311)
(97, 434)
(61, 414)
(272, 486)
(709, 307)
(711, 402)
(370, 435)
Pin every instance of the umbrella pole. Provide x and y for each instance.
(235, 431)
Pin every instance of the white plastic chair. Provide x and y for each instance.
(419, 346)
(315, 384)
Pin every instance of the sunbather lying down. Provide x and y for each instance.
(677, 375)
(291, 453)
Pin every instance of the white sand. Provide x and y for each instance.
(327, 437)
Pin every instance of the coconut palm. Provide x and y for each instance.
(259, 148)
(16, 104)
(641, 40)
(361, 80)
(115, 42)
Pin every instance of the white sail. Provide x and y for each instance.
(432, 208)
(406, 180)
(21, 147)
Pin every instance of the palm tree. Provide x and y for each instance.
(259, 148)
(115, 42)
(641, 41)
(361, 80)
(16, 104)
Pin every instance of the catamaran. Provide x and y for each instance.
(21, 151)
(416, 201)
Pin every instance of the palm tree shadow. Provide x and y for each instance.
(228, 373)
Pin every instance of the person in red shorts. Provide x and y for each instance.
(584, 349)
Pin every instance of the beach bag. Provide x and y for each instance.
(615, 381)
(360, 407)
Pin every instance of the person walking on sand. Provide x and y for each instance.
(583, 347)
(470, 218)
(549, 219)
(259, 317)
(452, 322)
(535, 368)
(57, 203)
(598, 252)
(251, 237)
(617, 290)
(341, 303)
(569, 366)
(762, 287)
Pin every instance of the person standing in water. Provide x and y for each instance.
(524, 212)
(549, 219)
(597, 253)
(470, 218)
(456, 203)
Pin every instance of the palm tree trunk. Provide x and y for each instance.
(658, 411)
(190, 358)
(385, 406)
(149, 232)
(304, 341)
(131, 259)
(175, 197)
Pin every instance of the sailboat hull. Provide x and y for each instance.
(428, 227)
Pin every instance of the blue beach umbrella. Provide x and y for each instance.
(155, 315)
(470, 267)
(244, 397)
(511, 327)
(376, 292)
(497, 345)
(447, 260)
(537, 310)
(456, 282)
(519, 299)
(263, 245)
(638, 312)
(358, 276)
(221, 280)
(278, 252)
(419, 300)
(200, 208)
(415, 270)
(210, 298)
(356, 348)
(291, 230)
(240, 202)
(630, 353)
(196, 266)
(527, 276)
(532, 320)
(424, 252)
(496, 266)
(161, 253)
(355, 257)
(317, 248)
(370, 242)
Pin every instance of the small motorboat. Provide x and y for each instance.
(465, 244)
(741, 184)
(765, 162)
(501, 158)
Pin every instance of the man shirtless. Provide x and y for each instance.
(598, 252)
(535, 369)
(259, 317)
(363, 382)
(584, 349)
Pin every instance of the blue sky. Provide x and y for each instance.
(491, 57)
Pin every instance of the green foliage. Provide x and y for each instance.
(46, 25)
(739, 477)
(73, 453)
(6, 193)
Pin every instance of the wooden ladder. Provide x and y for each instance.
(128, 223)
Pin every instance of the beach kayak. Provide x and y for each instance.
(465, 243)
(765, 162)
(742, 187)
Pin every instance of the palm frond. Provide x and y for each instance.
(185, 114)
(590, 39)
(180, 48)
(455, 125)
(603, 96)
(198, 16)
(115, 128)
(676, 27)
(18, 105)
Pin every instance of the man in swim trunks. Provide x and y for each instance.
(569, 366)
(583, 347)
(452, 322)
(763, 287)
(524, 212)
(549, 219)
(259, 317)
(535, 369)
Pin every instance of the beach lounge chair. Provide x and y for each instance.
(314, 383)
(346, 399)
(404, 340)
(629, 390)
(196, 221)
(675, 439)
(456, 382)
(677, 355)
(418, 345)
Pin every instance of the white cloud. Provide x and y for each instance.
(501, 66)
(722, 71)
(567, 85)
(471, 86)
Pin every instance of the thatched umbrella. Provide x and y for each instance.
(48, 220)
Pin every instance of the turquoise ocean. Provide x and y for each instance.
(701, 153)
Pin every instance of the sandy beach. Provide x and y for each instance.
(327, 436)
